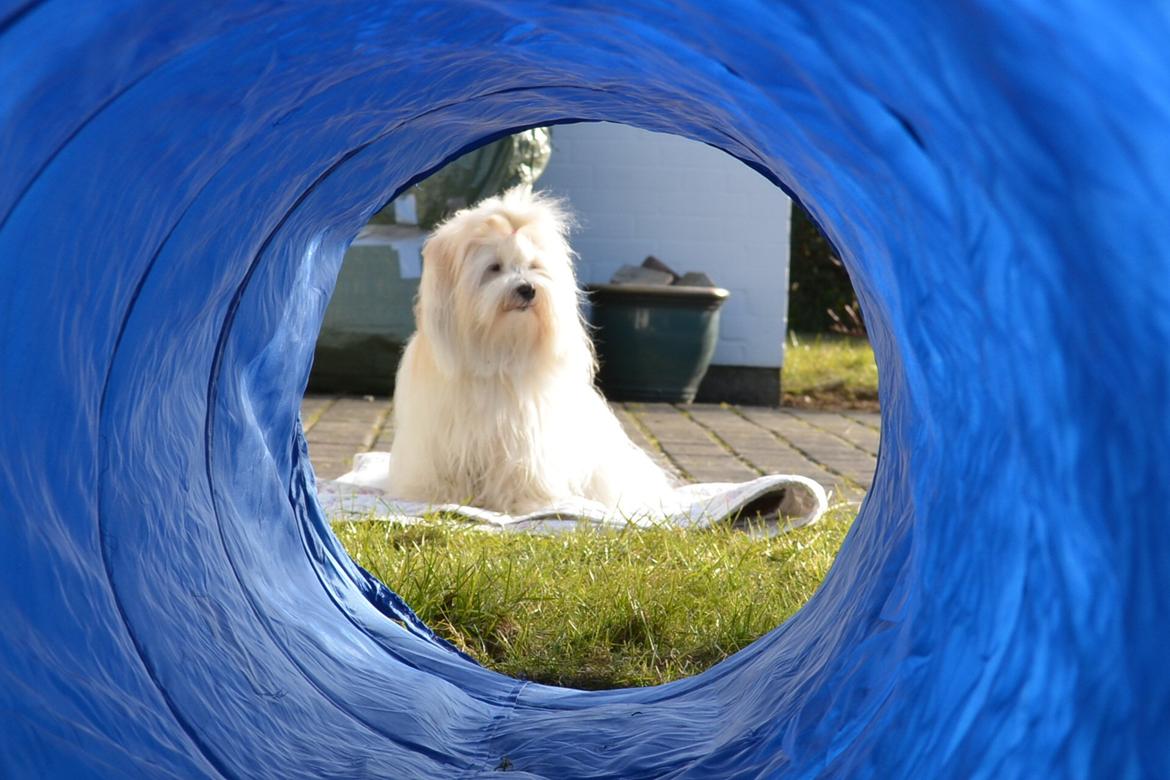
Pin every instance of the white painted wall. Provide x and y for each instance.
(696, 208)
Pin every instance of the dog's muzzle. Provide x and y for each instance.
(523, 296)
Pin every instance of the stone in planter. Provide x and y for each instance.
(633, 274)
(694, 279)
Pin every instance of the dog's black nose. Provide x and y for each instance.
(526, 291)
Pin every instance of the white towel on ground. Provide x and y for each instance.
(783, 502)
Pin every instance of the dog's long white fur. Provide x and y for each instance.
(494, 403)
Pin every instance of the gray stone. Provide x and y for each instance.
(632, 274)
(694, 279)
(655, 264)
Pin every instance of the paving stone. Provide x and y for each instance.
(722, 475)
(340, 432)
(859, 473)
(825, 449)
(717, 456)
(351, 405)
(331, 460)
(842, 493)
(839, 446)
(779, 459)
(632, 429)
(869, 419)
(654, 410)
(668, 426)
(861, 436)
(329, 449)
(742, 445)
(717, 474)
(857, 476)
(356, 422)
(722, 463)
(329, 469)
(715, 415)
(666, 436)
(357, 411)
(736, 432)
(311, 406)
(782, 462)
(694, 448)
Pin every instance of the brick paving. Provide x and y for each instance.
(699, 442)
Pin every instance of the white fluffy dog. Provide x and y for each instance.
(494, 404)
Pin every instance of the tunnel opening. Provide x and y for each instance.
(507, 615)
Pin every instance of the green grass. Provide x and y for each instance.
(593, 609)
(830, 372)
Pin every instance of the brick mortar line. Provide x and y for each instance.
(807, 455)
(650, 437)
(834, 434)
(726, 445)
(865, 424)
(307, 425)
(376, 428)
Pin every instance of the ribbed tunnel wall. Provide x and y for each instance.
(179, 181)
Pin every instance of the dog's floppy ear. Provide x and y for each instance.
(434, 310)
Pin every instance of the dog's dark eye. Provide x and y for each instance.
(494, 268)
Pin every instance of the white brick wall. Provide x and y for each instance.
(638, 193)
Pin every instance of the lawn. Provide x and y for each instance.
(613, 609)
(593, 609)
(827, 371)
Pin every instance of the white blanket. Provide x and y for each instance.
(782, 501)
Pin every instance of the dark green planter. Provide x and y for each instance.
(654, 343)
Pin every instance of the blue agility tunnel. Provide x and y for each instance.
(178, 182)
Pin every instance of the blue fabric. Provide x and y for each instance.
(178, 181)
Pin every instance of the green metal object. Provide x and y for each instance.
(654, 343)
(370, 316)
(519, 158)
